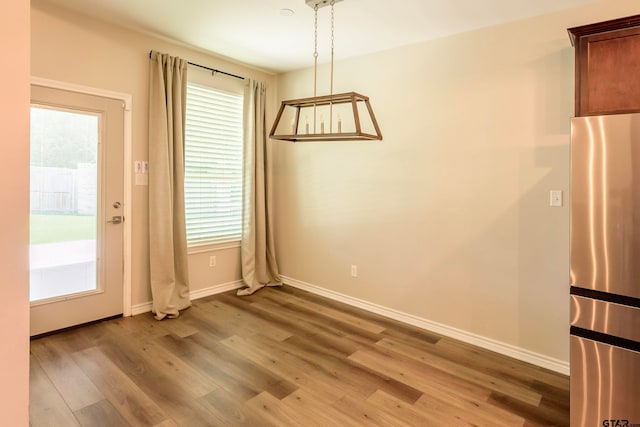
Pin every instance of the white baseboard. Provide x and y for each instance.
(145, 307)
(216, 289)
(459, 334)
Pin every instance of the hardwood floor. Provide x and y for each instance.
(281, 357)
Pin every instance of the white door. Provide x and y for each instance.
(76, 232)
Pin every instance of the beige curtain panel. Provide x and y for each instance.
(167, 230)
(259, 266)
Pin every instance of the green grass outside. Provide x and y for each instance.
(61, 228)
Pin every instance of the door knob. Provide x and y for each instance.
(116, 219)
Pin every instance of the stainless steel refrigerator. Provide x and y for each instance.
(605, 270)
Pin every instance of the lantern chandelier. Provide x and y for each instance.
(320, 118)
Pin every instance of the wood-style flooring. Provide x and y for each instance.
(281, 357)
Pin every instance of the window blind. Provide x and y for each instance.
(213, 165)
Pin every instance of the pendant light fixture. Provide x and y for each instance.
(334, 117)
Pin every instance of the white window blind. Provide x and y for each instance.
(213, 165)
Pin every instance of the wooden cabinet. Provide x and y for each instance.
(607, 66)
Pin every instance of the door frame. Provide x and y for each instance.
(127, 99)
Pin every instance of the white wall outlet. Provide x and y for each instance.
(354, 270)
(212, 261)
(555, 198)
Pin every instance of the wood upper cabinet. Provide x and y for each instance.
(607, 66)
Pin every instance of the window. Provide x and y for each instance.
(213, 165)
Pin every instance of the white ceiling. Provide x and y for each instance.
(255, 32)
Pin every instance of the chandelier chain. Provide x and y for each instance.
(315, 62)
(315, 48)
(331, 82)
(315, 31)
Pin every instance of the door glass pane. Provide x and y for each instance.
(63, 226)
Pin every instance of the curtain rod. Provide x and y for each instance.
(213, 70)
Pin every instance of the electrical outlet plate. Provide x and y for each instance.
(320, 3)
(555, 198)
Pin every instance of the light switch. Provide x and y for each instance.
(555, 198)
(141, 169)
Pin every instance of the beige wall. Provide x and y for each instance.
(14, 198)
(448, 218)
(75, 49)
